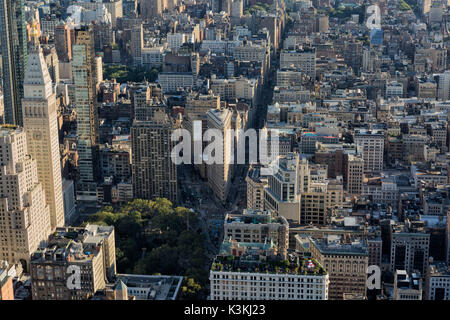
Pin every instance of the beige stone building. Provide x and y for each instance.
(370, 144)
(282, 192)
(313, 208)
(355, 174)
(346, 264)
(255, 188)
(89, 251)
(24, 214)
(41, 127)
(258, 226)
(302, 59)
(220, 174)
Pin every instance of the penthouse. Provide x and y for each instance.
(258, 226)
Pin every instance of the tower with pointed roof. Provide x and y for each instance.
(40, 124)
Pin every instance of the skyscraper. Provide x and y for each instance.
(370, 145)
(14, 56)
(220, 173)
(137, 44)
(87, 114)
(355, 174)
(153, 172)
(63, 42)
(24, 215)
(40, 124)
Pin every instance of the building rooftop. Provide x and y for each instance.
(262, 258)
(72, 244)
(332, 244)
(249, 216)
(156, 287)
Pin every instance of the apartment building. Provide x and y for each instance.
(154, 174)
(254, 271)
(301, 59)
(256, 184)
(346, 264)
(410, 251)
(258, 226)
(24, 214)
(437, 282)
(172, 81)
(407, 287)
(90, 250)
(355, 174)
(370, 144)
(281, 194)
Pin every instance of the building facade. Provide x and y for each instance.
(154, 174)
(41, 127)
(24, 214)
(87, 113)
(13, 37)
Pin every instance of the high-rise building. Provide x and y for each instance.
(281, 194)
(443, 89)
(2, 109)
(303, 59)
(24, 214)
(137, 44)
(313, 207)
(407, 287)
(197, 106)
(91, 250)
(425, 6)
(154, 174)
(258, 226)
(13, 38)
(115, 8)
(375, 247)
(237, 8)
(51, 59)
(370, 144)
(256, 184)
(346, 264)
(87, 114)
(255, 271)
(63, 42)
(151, 9)
(410, 251)
(220, 173)
(437, 282)
(353, 55)
(321, 23)
(355, 174)
(376, 37)
(41, 127)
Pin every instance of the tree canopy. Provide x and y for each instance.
(153, 237)
(123, 74)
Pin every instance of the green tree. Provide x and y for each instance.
(154, 237)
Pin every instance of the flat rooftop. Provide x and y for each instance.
(332, 245)
(159, 287)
